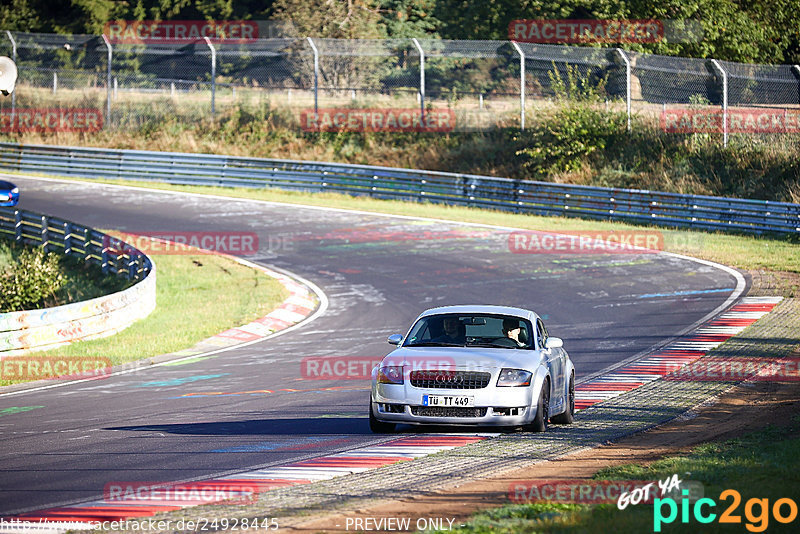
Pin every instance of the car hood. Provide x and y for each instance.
(462, 358)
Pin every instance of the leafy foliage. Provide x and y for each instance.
(577, 130)
(761, 31)
(31, 278)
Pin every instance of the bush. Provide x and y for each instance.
(31, 278)
(579, 131)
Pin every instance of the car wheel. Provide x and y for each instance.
(539, 423)
(568, 416)
(379, 427)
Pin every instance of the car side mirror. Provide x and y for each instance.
(553, 343)
(395, 339)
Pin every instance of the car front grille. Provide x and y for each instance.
(433, 379)
(442, 411)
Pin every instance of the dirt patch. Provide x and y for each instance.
(774, 283)
(745, 408)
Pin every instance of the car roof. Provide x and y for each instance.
(480, 308)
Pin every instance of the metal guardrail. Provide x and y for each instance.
(66, 237)
(537, 198)
(29, 330)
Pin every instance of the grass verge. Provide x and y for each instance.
(740, 251)
(198, 296)
(760, 465)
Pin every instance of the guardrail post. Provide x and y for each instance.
(13, 93)
(17, 226)
(44, 235)
(213, 75)
(108, 79)
(724, 74)
(421, 77)
(316, 75)
(521, 85)
(67, 238)
(104, 257)
(133, 266)
(624, 57)
(87, 239)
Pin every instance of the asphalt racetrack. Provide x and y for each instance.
(378, 273)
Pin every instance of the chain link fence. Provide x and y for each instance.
(482, 84)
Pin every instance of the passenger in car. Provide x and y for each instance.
(513, 330)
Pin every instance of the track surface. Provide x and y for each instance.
(378, 273)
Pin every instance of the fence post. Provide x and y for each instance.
(316, 75)
(213, 75)
(108, 79)
(521, 85)
(14, 59)
(624, 57)
(421, 77)
(717, 66)
(795, 68)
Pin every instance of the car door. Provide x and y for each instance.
(555, 362)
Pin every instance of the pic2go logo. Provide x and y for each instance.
(756, 511)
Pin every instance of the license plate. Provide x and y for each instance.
(448, 400)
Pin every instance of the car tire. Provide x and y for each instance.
(379, 427)
(539, 423)
(568, 416)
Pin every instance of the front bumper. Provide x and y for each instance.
(506, 406)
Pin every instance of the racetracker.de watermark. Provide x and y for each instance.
(178, 243)
(586, 31)
(51, 120)
(181, 494)
(724, 369)
(360, 367)
(377, 120)
(586, 242)
(180, 31)
(52, 367)
(581, 491)
(576, 491)
(562, 31)
(739, 120)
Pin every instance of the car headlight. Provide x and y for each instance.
(391, 374)
(514, 378)
(15, 190)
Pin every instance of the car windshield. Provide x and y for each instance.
(464, 330)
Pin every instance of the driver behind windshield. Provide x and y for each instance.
(454, 332)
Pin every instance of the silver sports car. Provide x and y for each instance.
(474, 365)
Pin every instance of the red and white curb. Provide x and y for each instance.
(676, 355)
(87, 515)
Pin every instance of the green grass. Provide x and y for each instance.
(198, 296)
(762, 465)
(740, 251)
